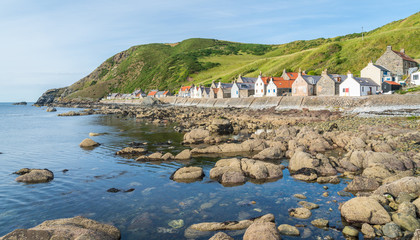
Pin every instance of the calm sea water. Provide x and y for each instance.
(34, 138)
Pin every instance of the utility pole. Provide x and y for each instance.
(362, 33)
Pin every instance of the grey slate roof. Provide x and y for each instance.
(249, 79)
(365, 81)
(248, 86)
(380, 67)
(335, 76)
(226, 85)
(159, 94)
(311, 79)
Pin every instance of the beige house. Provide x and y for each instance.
(304, 85)
(328, 84)
(375, 72)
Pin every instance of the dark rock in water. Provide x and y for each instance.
(343, 194)
(65, 170)
(130, 190)
(113, 190)
(51, 109)
(20, 103)
(67, 228)
(34, 175)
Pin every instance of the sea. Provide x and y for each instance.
(31, 137)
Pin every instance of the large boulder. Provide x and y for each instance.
(362, 184)
(269, 154)
(34, 175)
(221, 236)
(261, 170)
(196, 136)
(302, 160)
(405, 221)
(67, 228)
(364, 210)
(88, 143)
(407, 184)
(188, 174)
(262, 230)
(184, 155)
(221, 126)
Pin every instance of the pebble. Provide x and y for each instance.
(325, 194)
(300, 196)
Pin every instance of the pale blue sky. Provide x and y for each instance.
(48, 43)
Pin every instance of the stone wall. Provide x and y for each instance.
(391, 61)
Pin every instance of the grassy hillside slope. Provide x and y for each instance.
(200, 61)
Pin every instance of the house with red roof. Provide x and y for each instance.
(396, 62)
(277, 86)
(184, 91)
(390, 86)
(152, 93)
(289, 75)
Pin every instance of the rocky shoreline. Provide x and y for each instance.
(380, 155)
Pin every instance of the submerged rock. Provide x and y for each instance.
(350, 231)
(176, 223)
(231, 225)
(308, 205)
(67, 228)
(131, 151)
(34, 175)
(221, 236)
(288, 230)
(300, 213)
(88, 143)
(51, 109)
(321, 223)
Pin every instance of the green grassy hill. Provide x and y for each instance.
(200, 61)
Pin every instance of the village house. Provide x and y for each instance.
(390, 86)
(329, 84)
(396, 62)
(242, 90)
(277, 86)
(376, 72)
(152, 93)
(162, 94)
(246, 79)
(184, 91)
(415, 78)
(355, 86)
(289, 75)
(304, 85)
(224, 90)
(138, 93)
(206, 92)
(260, 86)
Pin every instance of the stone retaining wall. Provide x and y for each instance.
(289, 102)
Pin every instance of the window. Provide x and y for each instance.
(416, 77)
(268, 90)
(274, 90)
(237, 92)
(363, 89)
(262, 90)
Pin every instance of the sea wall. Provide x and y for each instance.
(294, 102)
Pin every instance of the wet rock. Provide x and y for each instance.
(51, 109)
(67, 228)
(188, 174)
(184, 155)
(362, 184)
(113, 190)
(224, 165)
(325, 194)
(405, 221)
(260, 170)
(262, 230)
(302, 213)
(305, 174)
(196, 136)
(167, 156)
(300, 196)
(407, 208)
(88, 143)
(221, 126)
(34, 175)
(343, 194)
(365, 210)
(232, 178)
(231, 225)
(350, 231)
(407, 184)
(329, 179)
(405, 197)
(176, 223)
(368, 231)
(320, 223)
(288, 230)
(391, 230)
(221, 236)
(131, 151)
(308, 205)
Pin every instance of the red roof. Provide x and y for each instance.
(404, 56)
(266, 80)
(186, 88)
(393, 83)
(152, 93)
(283, 83)
(215, 90)
(166, 92)
(292, 75)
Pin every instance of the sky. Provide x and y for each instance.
(48, 44)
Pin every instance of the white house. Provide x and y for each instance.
(415, 78)
(242, 90)
(197, 92)
(354, 86)
(260, 86)
(377, 73)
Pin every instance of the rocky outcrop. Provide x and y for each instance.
(407, 185)
(221, 236)
(251, 145)
(304, 166)
(184, 155)
(51, 109)
(67, 228)
(288, 230)
(34, 175)
(362, 184)
(88, 143)
(270, 154)
(131, 151)
(234, 170)
(188, 174)
(221, 126)
(231, 225)
(196, 136)
(49, 96)
(364, 210)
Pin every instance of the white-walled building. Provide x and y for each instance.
(242, 90)
(354, 86)
(377, 73)
(415, 78)
(260, 87)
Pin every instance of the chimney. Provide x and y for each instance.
(304, 72)
(402, 50)
(260, 73)
(300, 72)
(389, 48)
(349, 74)
(370, 62)
(325, 72)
